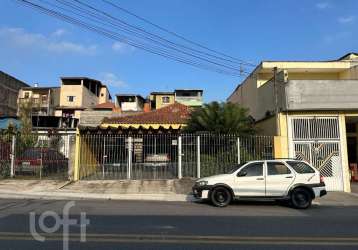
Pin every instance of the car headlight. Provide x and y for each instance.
(202, 183)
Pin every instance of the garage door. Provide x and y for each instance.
(316, 140)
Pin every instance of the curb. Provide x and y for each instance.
(74, 196)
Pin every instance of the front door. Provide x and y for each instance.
(250, 180)
(278, 179)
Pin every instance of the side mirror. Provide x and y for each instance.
(242, 173)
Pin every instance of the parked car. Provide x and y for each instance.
(47, 160)
(290, 180)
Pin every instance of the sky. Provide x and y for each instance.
(36, 48)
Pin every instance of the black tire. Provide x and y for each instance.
(220, 197)
(301, 198)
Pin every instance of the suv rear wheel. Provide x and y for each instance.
(220, 197)
(301, 198)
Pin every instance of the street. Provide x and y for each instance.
(182, 225)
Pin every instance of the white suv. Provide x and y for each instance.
(284, 179)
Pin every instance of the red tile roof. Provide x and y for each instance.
(172, 114)
(105, 105)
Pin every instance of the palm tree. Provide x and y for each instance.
(220, 118)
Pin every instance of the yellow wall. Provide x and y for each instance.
(158, 100)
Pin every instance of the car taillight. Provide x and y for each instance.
(321, 179)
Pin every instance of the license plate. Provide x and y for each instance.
(26, 163)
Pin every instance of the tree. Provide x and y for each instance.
(221, 118)
(27, 139)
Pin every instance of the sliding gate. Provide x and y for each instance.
(317, 141)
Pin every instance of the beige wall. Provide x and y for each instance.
(103, 95)
(71, 90)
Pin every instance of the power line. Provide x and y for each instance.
(118, 37)
(150, 38)
(174, 33)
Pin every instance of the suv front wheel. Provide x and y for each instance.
(220, 197)
(301, 198)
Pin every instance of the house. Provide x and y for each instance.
(80, 93)
(171, 118)
(130, 102)
(9, 87)
(312, 109)
(189, 97)
(43, 100)
(161, 99)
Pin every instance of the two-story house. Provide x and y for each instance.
(161, 99)
(312, 109)
(43, 100)
(80, 93)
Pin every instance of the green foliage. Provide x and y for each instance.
(220, 118)
(4, 169)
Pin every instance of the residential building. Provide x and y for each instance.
(130, 102)
(189, 97)
(312, 109)
(169, 118)
(9, 87)
(43, 100)
(161, 99)
(80, 93)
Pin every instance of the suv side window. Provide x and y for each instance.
(301, 167)
(277, 168)
(253, 169)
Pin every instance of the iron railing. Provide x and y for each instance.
(166, 156)
(40, 156)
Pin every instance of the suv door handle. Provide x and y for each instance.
(289, 177)
(260, 179)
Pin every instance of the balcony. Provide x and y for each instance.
(35, 101)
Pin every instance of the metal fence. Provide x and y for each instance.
(166, 156)
(39, 156)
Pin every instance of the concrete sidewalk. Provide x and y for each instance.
(159, 190)
(155, 190)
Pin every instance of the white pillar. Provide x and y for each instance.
(12, 164)
(129, 165)
(238, 151)
(179, 158)
(198, 156)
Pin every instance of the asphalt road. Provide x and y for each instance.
(179, 225)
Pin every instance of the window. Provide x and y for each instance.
(165, 99)
(102, 94)
(301, 167)
(26, 95)
(277, 168)
(254, 169)
(70, 98)
(43, 98)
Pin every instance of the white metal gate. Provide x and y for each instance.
(317, 141)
